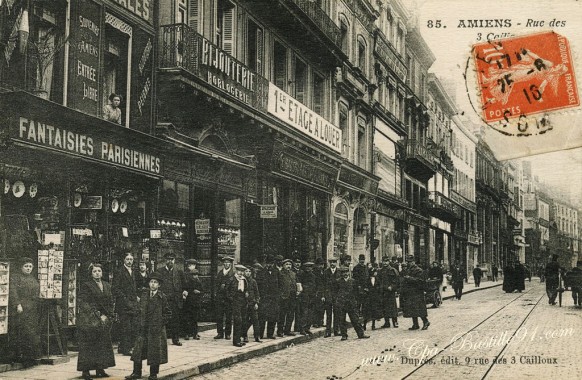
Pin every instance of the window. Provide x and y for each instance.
(362, 151)
(317, 102)
(400, 41)
(280, 65)
(390, 26)
(193, 15)
(255, 47)
(180, 19)
(362, 54)
(344, 30)
(225, 26)
(344, 126)
(300, 80)
(115, 73)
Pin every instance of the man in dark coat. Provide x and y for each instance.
(360, 275)
(222, 306)
(268, 281)
(308, 297)
(458, 276)
(330, 277)
(173, 287)
(552, 274)
(509, 278)
(346, 292)
(436, 272)
(319, 305)
(237, 291)
(519, 273)
(297, 312)
(151, 344)
(252, 308)
(126, 299)
(574, 277)
(141, 277)
(288, 288)
(494, 272)
(477, 274)
(413, 302)
(389, 286)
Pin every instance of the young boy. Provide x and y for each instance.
(252, 309)
(193, 286)
(151, 343)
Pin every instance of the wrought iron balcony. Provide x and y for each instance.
(420, 160)
(442, 207)
(318, 16)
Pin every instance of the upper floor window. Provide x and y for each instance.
(400, 40)
(280, 65)
(390, 26)
(193, 14)
(362, 143)
(225, 25)
(317, 102)
(300, 80)
(344, 30)
(344, 126)
(255, 49)
(362, 55)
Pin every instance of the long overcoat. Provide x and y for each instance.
(124, 292)
(152, 342)
(94, 338)
(373, 304)
(412, 301)
(390, 283)
(268, 282)
(24, 327)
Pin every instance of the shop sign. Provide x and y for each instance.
(202, 226)
(358, 180)
(82, 232)
(461, 201)
(389, 57)
(71, 141)
(142, 82)
(141, 8)
(92, 202)
(85, 58)
(286, 108)
(296, 167)
(268, 211)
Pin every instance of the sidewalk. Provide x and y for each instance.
(468, 287)
(194, 356)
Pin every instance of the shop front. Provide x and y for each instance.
(389, 227)
(77, 191)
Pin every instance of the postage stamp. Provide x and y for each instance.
(525, 75)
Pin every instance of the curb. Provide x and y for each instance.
(473, 290)
(242, 356)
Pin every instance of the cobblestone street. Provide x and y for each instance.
(464, 339)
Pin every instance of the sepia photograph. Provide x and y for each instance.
(290, 189)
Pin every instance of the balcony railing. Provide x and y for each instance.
(416, 150)
(181, 47)
(314, 12)
(441, 204)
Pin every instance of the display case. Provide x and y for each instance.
(72, 295)
(4, 294)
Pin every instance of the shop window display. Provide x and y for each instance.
(340, 230)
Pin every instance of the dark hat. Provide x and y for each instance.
(308, 264)
(346, 257)
(227, 258)
(195, 271)
(385, 258)
(332, 259)
(344, 269)
(279, 258)
(156, 276)
(319, 261)
(25, 260)
(169, 256)
(394, 258)
(240, 267)
(191, 262)
(409, 257)
(297, 260)
(362, 257)
(257, 266)
(286, 261)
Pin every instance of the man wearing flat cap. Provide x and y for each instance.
(360, 276)
(173, 287)
(237, 291)
(346, 303)
(268, 281)
(331, 275)
(288, 298)
(223, 307)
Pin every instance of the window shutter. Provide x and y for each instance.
(260, 51)
(193, 15)
(227, 35)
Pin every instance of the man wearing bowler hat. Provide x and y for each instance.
(330, 277)
(319, 307)
(360, 275)
(223, 307)
(173, 287)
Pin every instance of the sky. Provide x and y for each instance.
(451, 45)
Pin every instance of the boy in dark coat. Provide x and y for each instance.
(223, 307)
(152, 343)
(252, 318)
(193, 286)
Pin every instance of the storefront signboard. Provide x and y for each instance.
(78, 140)
(143, 9)
(85, 58)
(268, 211)
(292, 112)
(202, 226)
(142, 82)
(302, 169)
(358, 180)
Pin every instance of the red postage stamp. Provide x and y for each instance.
(526, 75)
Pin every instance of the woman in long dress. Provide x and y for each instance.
(24, 313)
(93, 325)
